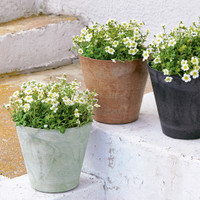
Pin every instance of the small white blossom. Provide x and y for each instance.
(168, 79)
(157, 60)
(145, 55)
(186, 78)
(15, 94)
(45, 126)
(111, 51)
(166, 71)
(194, 74)
(80, 51)
(115, 43)
(113, 60)
(28, 99)
(185, 67)
(26, 107)
(97, 105)
(195, 60)
(172, 42)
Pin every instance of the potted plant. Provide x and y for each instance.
(111, 59)
(53, 124)
(174, 70)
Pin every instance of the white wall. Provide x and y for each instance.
(13, 9)
(152, 12)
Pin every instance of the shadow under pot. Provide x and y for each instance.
(178, 105)
(120, 88)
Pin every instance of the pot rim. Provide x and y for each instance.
(54, 130)
(175, 75)
(111, 60)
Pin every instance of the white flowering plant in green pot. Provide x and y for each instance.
(53, 123)
(57, 105)
(177, 52)
(112, 41)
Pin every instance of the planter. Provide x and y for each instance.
(120, 88)
(178, 105)
(53, 160)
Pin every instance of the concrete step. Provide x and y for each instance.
(90, 188)
(37, 41)
(138, 162)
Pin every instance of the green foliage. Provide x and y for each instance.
(112, 41)
(177, 53)
(57, 105)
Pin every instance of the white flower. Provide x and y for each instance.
(115, 43)
(15, 94)
(26, 107)
(78, 121)
(145, 55)
(194, 74)
(45, 126)
(162, 47)
(40, 96)
(185, 67)
(197, 67)
(55, 103)
(186, 78)
(195, 60)
(54, 109)
(157, 60)
(107, 49)
(168, 79)
(183, 62)
(166, 71)
(97, 105)
(28, 91)
(172, 42)
(88, 37)
(133, 44)
(133, 51)
(28, 99)
(76, 113)
(6, 106)
(84, 30)
(111, 51)
(80, 51)
(113, 60)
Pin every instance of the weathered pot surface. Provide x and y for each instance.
(178, 105)
(53, 160)
(120, 87)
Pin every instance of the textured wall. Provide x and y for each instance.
(152, 12)
(13, 9)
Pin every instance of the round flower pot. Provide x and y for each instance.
(120, 87)
(53, 160)
(178, 105)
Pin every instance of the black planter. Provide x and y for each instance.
(178, 105)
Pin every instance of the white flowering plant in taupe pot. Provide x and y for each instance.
(177, 52)
(112, 41)
(57, 105)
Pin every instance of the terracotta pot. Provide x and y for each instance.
(120, 87)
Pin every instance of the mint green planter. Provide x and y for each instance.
(53, 160)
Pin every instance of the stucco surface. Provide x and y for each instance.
(152, 12)
(13, 9)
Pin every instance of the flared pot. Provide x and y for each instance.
(53, 160)
(120, 87)
(178, 105)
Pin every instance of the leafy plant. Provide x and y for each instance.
(56, 105)
(112, 41)
(177, 53)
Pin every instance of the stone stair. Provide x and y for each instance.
(90, 188)
(37, 41)
(134, 161)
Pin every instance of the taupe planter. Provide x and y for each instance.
(120, 87)
(53, 160)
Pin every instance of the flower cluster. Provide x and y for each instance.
(112, 41)
(177, 53)
(56, 105)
